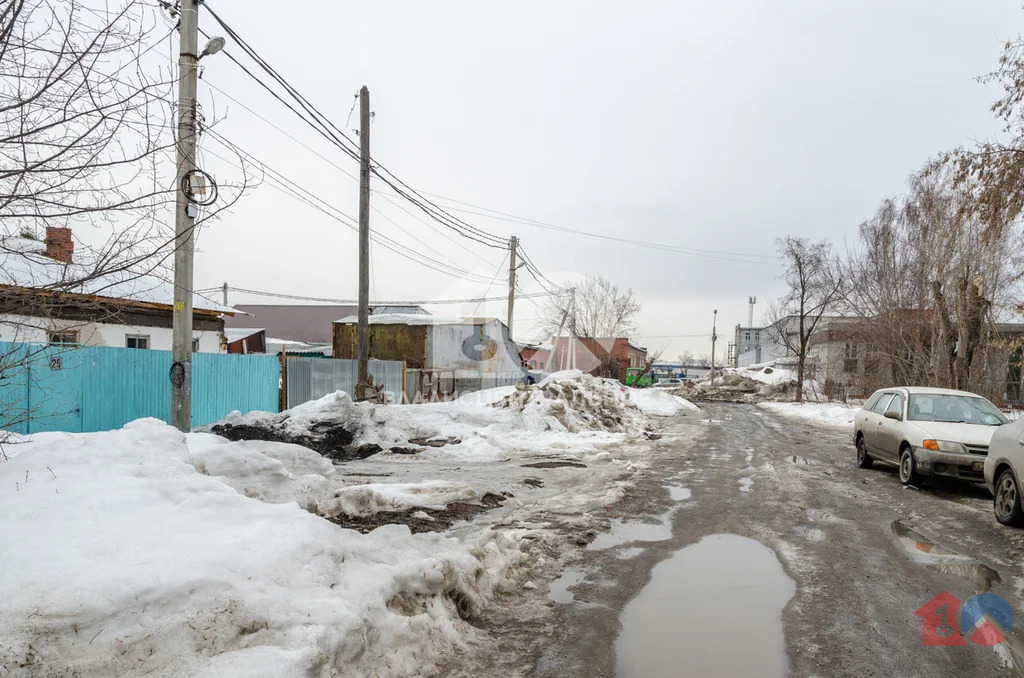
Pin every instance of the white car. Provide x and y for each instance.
(670, 383)
(615, 383)
(1003, 466)
(926, 431)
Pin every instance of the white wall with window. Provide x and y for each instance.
(16, 328)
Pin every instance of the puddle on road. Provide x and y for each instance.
(626, 531)
(677, 493)
(712, 609)
(559, 589)
(924, 551)
(629, 552)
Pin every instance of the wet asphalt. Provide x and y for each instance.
(863, 552)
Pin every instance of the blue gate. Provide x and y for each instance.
(97, 388)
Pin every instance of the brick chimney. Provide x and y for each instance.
(59, 245)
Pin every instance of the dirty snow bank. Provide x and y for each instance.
(139, 551)
(574, 402)
(658, 403)
(568, 411)
(833, 415)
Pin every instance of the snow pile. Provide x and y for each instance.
(572, 401)
(766, 373)
(833, 415)
(137, 551)
(364, 500)
(658, 403)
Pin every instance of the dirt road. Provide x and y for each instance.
(863, 551)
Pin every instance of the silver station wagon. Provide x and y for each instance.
(926, 431)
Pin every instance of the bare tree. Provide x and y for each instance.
(813, 292)
(594, 312)
(926, 284)
(599, 309)
(86, 141)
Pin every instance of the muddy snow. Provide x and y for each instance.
(338, 538)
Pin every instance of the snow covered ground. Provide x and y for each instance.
(834, 415)
(145, 550)
(656, 402)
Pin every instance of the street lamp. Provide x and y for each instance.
(213, 45)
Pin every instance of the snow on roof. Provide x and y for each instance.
(235, 333)
(23, 263)
(417, 319)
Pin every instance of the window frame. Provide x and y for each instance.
(886, 398)
(137, 337)
(51, 338)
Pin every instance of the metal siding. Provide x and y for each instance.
(313, 378)
(100, 388)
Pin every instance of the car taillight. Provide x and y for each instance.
(931, 445)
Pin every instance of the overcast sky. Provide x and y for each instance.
(713, 126)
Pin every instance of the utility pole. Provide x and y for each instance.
(184, 222)
(362, 330)
(513, 243)
(714, 338)
(572, 329)
(224, 289)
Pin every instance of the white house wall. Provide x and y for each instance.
(16, 328)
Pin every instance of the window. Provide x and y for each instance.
(195, 345)
(851, 351)
(747, 336)
(136, 341)
(954, 409)
(64, 338)
(883, 403)
(757, 336)
(896, 405)
(872, 401)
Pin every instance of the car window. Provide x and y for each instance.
(954, 408)
(896, 405)
(872, 401)
(883, 403)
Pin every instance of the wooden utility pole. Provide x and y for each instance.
(184, 222)
(513, 244)
(362, 330)
(714, 337)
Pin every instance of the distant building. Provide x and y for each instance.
(449, 355)
(49, 295)
(602, 357)
(746, 346)
(301, 328)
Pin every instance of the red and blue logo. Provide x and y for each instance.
(986, 619)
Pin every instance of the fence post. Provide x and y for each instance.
(283, 405)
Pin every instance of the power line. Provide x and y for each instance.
(497, 272)
(324, 126)
(295, 190)
(298, 297)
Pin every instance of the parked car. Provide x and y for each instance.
(616, 383)
(669, 383)
(1003, 466)
(926, 431)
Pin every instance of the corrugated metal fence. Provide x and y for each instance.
(94, 388)
(312, 378)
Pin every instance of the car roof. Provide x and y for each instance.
(928, 390)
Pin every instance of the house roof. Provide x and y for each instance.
(306, 323)
(24, 264)
(417, 319)
(233, 334)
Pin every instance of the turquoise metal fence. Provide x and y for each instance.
(94, 388)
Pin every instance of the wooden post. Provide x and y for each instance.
(364, 243)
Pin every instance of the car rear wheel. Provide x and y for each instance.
(864, 459)
(908, 467)
(1007, 500)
